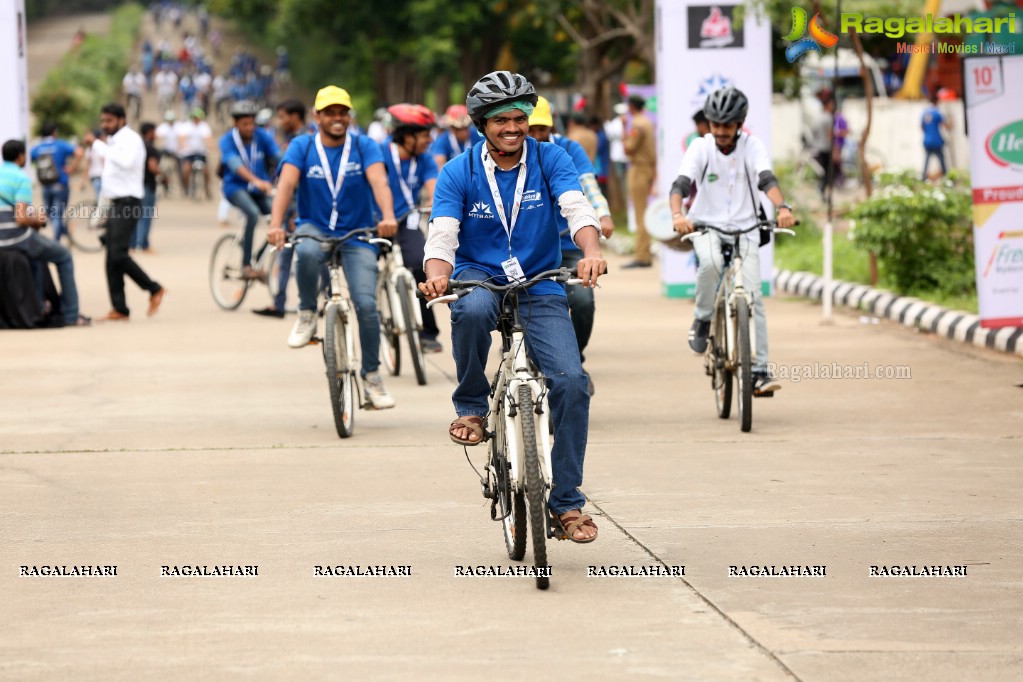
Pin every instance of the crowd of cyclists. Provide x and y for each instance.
(488, 191)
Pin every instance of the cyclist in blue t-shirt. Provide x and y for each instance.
(412, 172)
(342, 184)
(50, 157)
(247, 154)
(581, 304)
(474, 236)
(457, 139)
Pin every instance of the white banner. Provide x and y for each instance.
(700, 49)
(13, 71)
(994, 118)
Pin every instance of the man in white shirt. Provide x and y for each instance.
(122, 184)
(95, 152)
(615, 131)
(194, 138)
(726, 165)
(168, 138)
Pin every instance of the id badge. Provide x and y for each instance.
(412, 222)
(513, 269)
(333, 217)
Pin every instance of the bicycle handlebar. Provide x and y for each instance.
(359, 234)
(459, 288)
(765, 225)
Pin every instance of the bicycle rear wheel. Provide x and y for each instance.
(536, 488)
(85, 234)
(226, 282)
(339, 373)
(407, 296)
(511, 504)
(744, 370)
(721, 376)
(390, 343)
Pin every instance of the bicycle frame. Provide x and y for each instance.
(730, 288)
(516, 370)
(390, 274)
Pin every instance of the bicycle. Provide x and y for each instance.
(518, 470)
(338, 338)
(400, 315)
(87, 234)
(198, 181)
(227, 281)
(732, 339)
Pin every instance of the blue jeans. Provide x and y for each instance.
(55, 197)
(928, 153)
(581, 304)
(140, 240)
(550, 341)
(252, 205)
(46, 250)
(360, 267)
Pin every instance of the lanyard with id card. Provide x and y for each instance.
(328, 175)
(412, 221)
(512, 267)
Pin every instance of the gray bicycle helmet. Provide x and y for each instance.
(727, 105)
(243, 108)
(495, 89)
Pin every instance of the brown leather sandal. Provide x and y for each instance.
(474, 424)
(569, 522)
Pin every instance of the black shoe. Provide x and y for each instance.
(638, 264)
(698, 334)
(269, 312)
(764, 385)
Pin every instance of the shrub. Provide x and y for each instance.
(922, 233)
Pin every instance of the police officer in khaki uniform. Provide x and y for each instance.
(639, 146)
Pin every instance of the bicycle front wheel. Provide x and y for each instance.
(339, 372)
(510, 503)
(407, 296)
(536, 487)
(744, 369)
(721, 376)
(390, 345)
(269, 263)
(226, 282)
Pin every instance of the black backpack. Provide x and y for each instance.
(46, 170)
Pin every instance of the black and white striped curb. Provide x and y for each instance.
(911, 312)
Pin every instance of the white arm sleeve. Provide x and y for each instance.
(443, 240)
(577, 211)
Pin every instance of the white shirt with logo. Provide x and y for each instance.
(724, 182)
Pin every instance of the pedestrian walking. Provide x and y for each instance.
(639, 145)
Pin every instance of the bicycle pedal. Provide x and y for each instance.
(769, 394)
(315, 341)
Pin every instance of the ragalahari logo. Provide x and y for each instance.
(819, 38)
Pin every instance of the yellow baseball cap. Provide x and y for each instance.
(332, 95)
(541, 115)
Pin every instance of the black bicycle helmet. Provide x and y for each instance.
(495, 89)
(727, 105)
(243, 108)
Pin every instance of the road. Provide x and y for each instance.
(197, 437)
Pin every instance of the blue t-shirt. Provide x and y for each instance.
(931, 123)
(356, 206)
(15, 188)
(448, 146)
(582, 167)
(59, 150)
(264, 154)
(463, 193)
(426, 170)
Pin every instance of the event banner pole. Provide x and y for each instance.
(994, 109)
(13, 71)
(700, 49)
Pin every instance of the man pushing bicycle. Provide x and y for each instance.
(726, 164)
(494, 218)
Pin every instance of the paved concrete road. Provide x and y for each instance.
(198, 437)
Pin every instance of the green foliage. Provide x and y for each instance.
(922, 233)
(72, 93)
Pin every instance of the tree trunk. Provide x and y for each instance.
(866, 171)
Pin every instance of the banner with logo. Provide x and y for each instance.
(700, 49)
(994, 117)
(14, 66)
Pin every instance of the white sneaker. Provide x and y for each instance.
(373, 384)
(305, 327)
